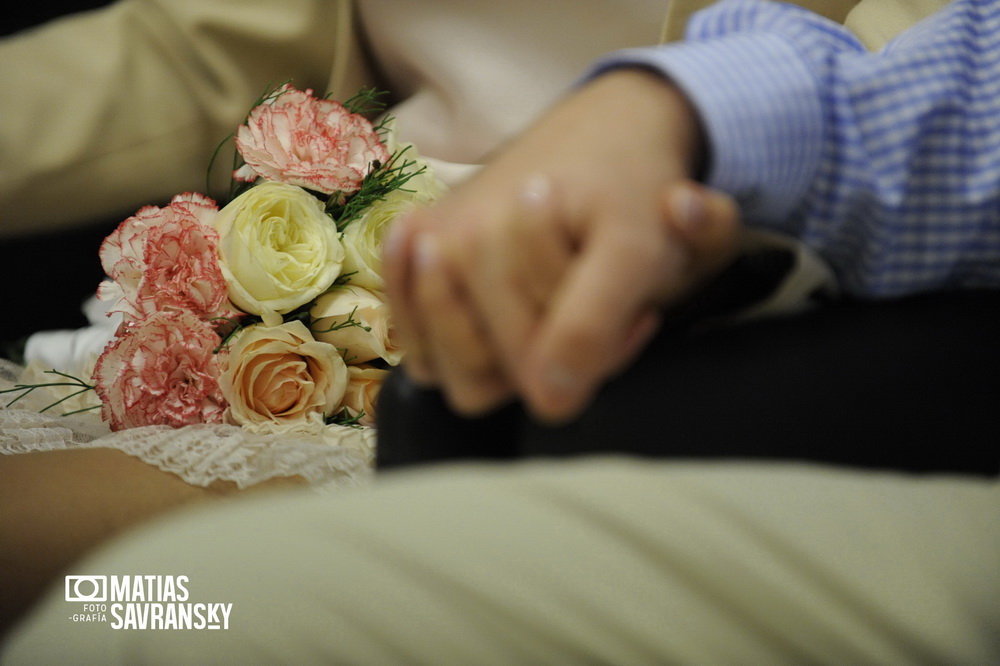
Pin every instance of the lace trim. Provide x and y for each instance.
(200, 454)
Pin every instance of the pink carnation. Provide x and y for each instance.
(161, 371)
(314, 143)
(166, 259)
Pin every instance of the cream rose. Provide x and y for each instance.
(363, 237)
(363, 385)
(280, 379)
(358, 322)
(423, 186)
(278, 249)
(363, 242)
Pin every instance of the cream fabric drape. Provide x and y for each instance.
(111, 110)
(595, 561)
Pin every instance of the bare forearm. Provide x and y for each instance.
(56, 506)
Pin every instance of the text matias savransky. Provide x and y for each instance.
(144, 602)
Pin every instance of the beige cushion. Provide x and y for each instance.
(875, 22)
(680, 11)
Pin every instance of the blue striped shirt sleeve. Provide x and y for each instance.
(887, 163)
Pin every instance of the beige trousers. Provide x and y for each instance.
(608, 560)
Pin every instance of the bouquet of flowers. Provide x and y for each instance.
(268, 311)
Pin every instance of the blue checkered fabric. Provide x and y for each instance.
(886, 163)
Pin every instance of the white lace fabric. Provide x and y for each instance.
(199, 454)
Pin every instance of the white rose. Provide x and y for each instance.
(278, 249)
(358, 322)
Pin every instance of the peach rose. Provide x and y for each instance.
(314, 143)
(278, 249)
(363, 385)
(279, 379)
(358, 322)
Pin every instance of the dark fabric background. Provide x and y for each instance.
(28, 14)
(909, 385)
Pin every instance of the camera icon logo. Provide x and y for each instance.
(86, 588)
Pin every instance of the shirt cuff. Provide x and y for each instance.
(760, 107)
